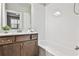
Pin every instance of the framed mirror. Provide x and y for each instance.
(16, 15)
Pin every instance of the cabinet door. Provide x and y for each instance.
(11, 50)
(1, 51)
(17, 49)
(28, 48)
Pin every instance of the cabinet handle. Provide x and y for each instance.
(22, 45)
(8, 40)
(2, 40)
(77, 48)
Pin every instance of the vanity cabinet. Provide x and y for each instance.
(19, 45)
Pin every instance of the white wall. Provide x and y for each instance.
(38, 20)
(62, 31)
(0, 15)
(3, 19)
(20, 7)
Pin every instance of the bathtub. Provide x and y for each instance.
(55, 49)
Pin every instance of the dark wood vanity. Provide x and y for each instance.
(19, 45)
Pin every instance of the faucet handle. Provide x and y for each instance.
(77, 48)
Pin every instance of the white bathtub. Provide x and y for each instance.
(56, 49)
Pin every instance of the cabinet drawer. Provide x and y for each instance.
(6, 40)
(34, 36)
(22, 38)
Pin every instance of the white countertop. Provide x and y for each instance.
(16, 33)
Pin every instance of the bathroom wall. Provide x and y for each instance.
(38, 20)
(62, 31)
(0, 15)
(20, 7)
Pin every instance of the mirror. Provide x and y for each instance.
(13, 19)
(16, 15)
